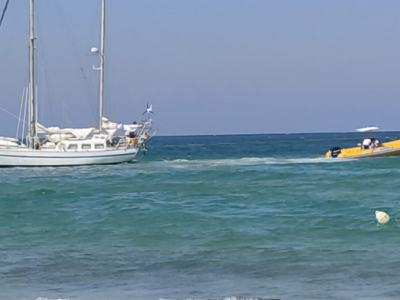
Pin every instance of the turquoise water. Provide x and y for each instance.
(211, 217)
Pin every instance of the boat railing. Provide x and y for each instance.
(123, 142)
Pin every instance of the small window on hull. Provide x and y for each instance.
(86, 146)
(72, 147)
(99, 146)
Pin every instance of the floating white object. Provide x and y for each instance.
(382, 217)
(94, 50)
(368, 128)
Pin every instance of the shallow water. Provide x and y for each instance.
(264, 216)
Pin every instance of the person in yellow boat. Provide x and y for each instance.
(374, 143)
(370, 143)
(367, 143)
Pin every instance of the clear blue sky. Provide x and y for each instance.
(210, 67)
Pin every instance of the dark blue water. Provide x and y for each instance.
(261, 216)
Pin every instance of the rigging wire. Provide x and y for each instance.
(4, 12)
(50, 91)
(26, 102)
(86, 86)
(47, 79)
(11, 114)
(20, 111)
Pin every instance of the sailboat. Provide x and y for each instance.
(72, 147)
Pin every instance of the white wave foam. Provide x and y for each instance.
(247, 161)
(42, 298)
(227, 298)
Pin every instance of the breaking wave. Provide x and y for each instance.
(247, 161)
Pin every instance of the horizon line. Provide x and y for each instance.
(275, 133)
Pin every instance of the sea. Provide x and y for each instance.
(206, 217)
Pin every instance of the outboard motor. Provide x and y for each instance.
(335, 151)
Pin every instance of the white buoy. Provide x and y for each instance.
(382, 217)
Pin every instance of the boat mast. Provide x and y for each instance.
(103, 32)
(32, 129)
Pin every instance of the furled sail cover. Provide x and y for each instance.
(110, 127)
(107, 124)
(8, 142)
(9, 139)
(55, 134)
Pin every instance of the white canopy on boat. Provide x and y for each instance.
(131, 127)
(368, 128)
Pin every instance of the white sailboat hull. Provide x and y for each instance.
(49, 158)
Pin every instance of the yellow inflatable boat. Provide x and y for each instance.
(384, 149)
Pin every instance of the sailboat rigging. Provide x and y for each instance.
(32, 142)
(71, 146)
(103, 35)
(4, 12)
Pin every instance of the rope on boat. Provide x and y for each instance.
(4, 12)
(11, 114)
